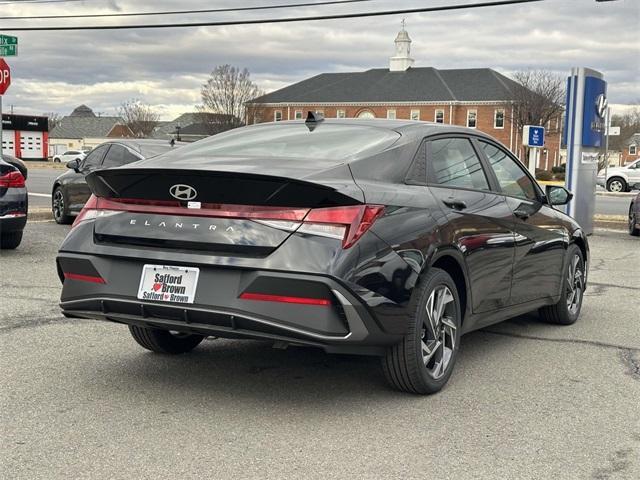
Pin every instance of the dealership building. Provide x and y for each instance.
(25, 136)
(479, 98)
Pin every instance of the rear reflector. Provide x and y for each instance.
(346, 223)
(285, 299)
(84, 278)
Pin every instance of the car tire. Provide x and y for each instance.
(56, 160)
(423, 361)
(58, 207)
(616, 184)
(633, 221)
(10, 240)
(567, 310)
(164, 341)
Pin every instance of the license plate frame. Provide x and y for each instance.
(177, 284)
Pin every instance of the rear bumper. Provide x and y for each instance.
(347, 326)
(13, 222)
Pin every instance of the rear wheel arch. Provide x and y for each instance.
(451, 262)
(579, 241)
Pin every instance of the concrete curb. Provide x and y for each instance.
(43, 213)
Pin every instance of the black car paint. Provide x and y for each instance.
(12, 201)
(503, 265)
(73, 182)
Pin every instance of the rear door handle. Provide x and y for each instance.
(455, 203)
(521, 214)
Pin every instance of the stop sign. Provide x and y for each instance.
(5, 76)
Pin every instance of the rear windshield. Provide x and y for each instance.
(295, 140)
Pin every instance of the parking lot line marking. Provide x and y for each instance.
(40, 194)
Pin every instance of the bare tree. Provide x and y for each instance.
(629, 124)
(54, 119)
(139, 117)
(224, 96)
(538, 101)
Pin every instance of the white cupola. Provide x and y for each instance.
(401, 61)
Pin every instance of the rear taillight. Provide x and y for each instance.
(13, 179)
(346, 223)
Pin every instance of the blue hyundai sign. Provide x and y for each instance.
(533, 136)
(595, 111)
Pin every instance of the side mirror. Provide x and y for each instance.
(557, 195)
(74, 164)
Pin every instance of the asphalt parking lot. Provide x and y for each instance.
(527, 400)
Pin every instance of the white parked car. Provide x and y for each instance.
(620, 179)
(69, 155)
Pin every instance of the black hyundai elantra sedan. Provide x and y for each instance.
(375, 237)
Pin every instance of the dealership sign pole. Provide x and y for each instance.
(8, 48)
(584, 135)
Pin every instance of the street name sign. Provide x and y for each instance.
(5, 76)
(8, 40)
(533, 136)
(8, 50)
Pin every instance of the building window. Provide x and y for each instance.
(633, 149)
(298, 114)
(391, 114)
(366, 114)
(472, 117)
(415, 114)
(498, 119)
(341, 114)
(320, 112)
(439, 117)
(277, 115)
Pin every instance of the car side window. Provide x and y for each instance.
(94, 159)
(453, 163)
(117, 156)
(512, 178)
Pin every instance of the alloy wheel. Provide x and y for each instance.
(439, 332)
(615, 186)
(575, 285)
(58, 204)
(632, 221)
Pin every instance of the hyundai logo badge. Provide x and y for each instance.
(183, 192)
(601, 105)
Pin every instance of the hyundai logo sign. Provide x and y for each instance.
(601, 105)
(183, 192)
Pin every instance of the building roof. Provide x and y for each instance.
(74, 126)
(82, 111)
(633, 139)
(191, 123)
(424, 84)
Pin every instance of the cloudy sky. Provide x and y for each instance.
(56, 71)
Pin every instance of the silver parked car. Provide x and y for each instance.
(620, 179)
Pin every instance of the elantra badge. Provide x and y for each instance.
(183, 192)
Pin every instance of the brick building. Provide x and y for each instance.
(477, 97)
(631, 149)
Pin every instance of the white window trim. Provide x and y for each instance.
(435, 115)
(344, 113)
(411, 115)
(395, 115)
(635, 150)
(495, 119)
(295, 114)
(469, 112)
(275, 115)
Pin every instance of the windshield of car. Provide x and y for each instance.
(296, 140)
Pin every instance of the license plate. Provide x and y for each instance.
(164, 283)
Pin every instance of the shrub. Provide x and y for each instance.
(559, 169)
(559, 176)
(544, 175)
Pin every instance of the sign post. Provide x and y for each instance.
(533, 137)
(584, 135)
(5, 81)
